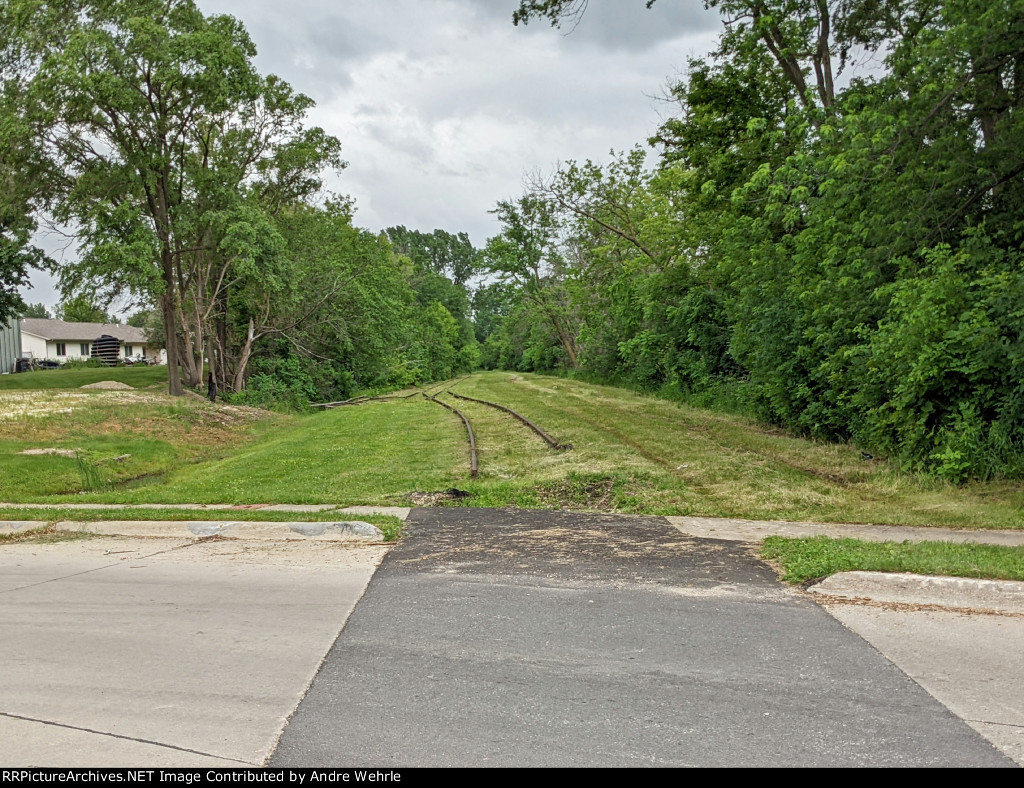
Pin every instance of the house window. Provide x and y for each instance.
(84, 348)
(62, 349)
(127, 350)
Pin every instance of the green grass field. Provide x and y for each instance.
(801, 560)
(73, 378)
(632, 454)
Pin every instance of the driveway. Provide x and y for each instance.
(515, 638)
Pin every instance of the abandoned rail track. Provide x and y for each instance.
(361, 400)
(474, 464)
(544, 436)
(431, 393)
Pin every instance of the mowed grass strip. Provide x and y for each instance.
(811, 559)
(660, 457)
(372, 454)
(75, 377)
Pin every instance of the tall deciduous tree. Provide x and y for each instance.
(24, 183)
(36, 310)
(451, 254)
(81, 309)
(803, 37)
(527, 253)
(175, 153)
(851, 253)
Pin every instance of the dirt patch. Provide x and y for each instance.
(555, 547)
(226, 415)
(18, 404)
(55, 452)
(595, 494)
(449, 497)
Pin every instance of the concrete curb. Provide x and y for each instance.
(952, 593)
(757, 530)
(347, 531)
(15, 526)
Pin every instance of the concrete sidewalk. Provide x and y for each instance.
(961, 639)
(134, 651)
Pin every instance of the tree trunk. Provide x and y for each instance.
(174, 387)
(193, 371)
(567, 341)
(239, 380)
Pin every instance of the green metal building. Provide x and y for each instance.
(10, 345)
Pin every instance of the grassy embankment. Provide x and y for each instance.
(632, 454)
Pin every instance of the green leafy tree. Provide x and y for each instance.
(140, 319)
(491, 304)
(851, 255)
(36, 310)
(451, 255)
(82, 309)
(175, 153)
(437, 267)
(800, 36)
(25, 185)
(528, 254)
(346, 317)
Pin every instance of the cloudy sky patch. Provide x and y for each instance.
(443, 106)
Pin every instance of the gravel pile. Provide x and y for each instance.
(109, 384)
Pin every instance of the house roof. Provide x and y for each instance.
(59, 331)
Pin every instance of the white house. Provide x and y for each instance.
(60, 341)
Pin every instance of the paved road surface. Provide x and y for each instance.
(551, 639)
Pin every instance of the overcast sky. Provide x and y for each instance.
(443, 106)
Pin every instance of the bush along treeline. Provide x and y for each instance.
(845, 261)
(195, 186)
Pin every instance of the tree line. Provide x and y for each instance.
(838, 251)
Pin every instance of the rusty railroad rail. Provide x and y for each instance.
(547, 438)
(473, 463)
